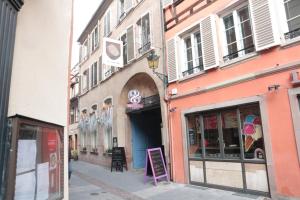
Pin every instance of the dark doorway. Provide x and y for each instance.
(146, 133)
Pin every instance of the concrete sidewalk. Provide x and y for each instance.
(94, 182)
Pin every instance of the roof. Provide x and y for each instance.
(94, 20)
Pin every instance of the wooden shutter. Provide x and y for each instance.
(265, 30)
(130, 44)
(100, 69)
(209, 42)
(166, 2)
(171, 60)
(128, 5)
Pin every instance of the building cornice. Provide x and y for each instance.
(17, 4)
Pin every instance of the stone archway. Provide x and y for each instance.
(132, 120)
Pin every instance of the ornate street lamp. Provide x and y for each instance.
(153, 61)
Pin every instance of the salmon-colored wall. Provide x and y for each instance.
(284, 152)
(279, 117)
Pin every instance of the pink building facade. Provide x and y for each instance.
(234, 95)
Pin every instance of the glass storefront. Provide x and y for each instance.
(226, 148)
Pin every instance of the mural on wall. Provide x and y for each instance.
(97, 121)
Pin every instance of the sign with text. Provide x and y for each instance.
(112, 53)
(158, 166)
(118, 159)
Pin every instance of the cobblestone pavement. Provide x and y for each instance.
(92, 182)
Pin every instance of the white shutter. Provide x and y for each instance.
(265, 30)
(209, 42)
(130, 44)
(128, 5)
(171, 60)
(166, 2)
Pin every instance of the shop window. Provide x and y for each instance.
(193, 61)
(39, 163)
(83, 129)
(252, 132)
(292, 11)
(211, 136)
(194, 136)
(230, 129)
(226, 136)
(238, 34)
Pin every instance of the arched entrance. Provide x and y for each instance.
(144, 118)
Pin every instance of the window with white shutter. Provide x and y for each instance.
(191, 52)
(128, 5)
(107, 23)
(171, 60)
(237, 33)
(95, 38)
(130, 43)
(100, 69)
(265, 30)
(124, 40)
(209, 42)
(85, 80)
(94, 74)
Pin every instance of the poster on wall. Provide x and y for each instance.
(25, 186)
(43, 181)
(26, 156)
(112, 53)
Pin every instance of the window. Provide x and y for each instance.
(292, 10)
(108, 70)
(74, 114)
(84, 50)
(238, 34)
(233, 133)
(124, 40)
(85, 81)
(107, 23)
(143, 26)
(193, 61)
(121, 9)
(95, 38)
(94, 69)
(194, 136)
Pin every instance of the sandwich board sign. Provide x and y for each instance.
(157, 163)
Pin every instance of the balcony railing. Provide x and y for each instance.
(292, 34)
(193, 70)
(145, 47)
(236, 54)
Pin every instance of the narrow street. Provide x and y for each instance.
(94, 182)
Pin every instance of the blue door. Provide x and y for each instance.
(146, 133)
(139, 142)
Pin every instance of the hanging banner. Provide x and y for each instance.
(112, 53)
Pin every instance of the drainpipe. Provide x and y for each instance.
(166, 95)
